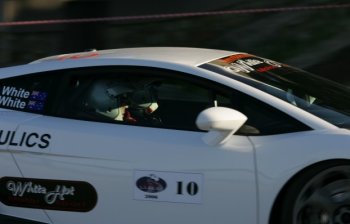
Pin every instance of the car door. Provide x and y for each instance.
(9, 135)
(16, 98)
(94, 169)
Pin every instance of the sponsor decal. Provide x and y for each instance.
(245, 63)
(63, 195)
(234, 57)
(20, 98)
(168, 186)
(151, 184)
(25, 139)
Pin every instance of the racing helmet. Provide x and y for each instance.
(107, 97)
(144, 97)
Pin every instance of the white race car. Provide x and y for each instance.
(169, 136)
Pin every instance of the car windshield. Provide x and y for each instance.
(323, 98)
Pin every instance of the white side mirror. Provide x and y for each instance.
(220, 122)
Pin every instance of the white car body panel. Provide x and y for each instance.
(72, 155)
(291, 153)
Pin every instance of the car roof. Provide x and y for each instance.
(178, 55)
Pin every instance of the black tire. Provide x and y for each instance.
(318, 195)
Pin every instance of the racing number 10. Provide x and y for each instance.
(190, 188)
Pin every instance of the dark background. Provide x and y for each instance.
(317, 40)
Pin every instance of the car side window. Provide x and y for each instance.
(28, 93)
(161, 98)
(180, 102)
(263, 119)
(128, 98)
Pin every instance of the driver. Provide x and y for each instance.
(143, 103)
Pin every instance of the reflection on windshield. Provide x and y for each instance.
(323, 98)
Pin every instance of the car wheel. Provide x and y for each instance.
(321, 195)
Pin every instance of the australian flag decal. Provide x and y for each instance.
(35, 105)
(38, 95)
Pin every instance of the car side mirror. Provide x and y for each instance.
(220, 122)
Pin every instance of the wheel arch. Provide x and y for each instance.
(273, 217)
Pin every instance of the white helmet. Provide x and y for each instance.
(107, 96)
